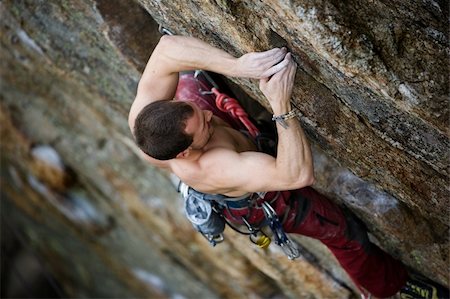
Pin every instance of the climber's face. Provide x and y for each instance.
(199, 126)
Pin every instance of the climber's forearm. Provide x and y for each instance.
(294, 157)
(174, 54)
(293, 163)
(181, 53)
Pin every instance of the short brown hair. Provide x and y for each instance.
(159, 129)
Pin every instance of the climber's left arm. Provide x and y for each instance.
(174, 54)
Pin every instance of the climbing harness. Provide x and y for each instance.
(205, 212)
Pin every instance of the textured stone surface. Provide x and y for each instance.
(386, 84)
(373, 90)
(371, 86)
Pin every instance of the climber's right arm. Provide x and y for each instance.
(174, 54)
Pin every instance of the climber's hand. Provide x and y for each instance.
(278, 89)
(259, 65)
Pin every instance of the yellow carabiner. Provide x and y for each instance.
(263, 241)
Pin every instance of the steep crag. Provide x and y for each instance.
(372, 86)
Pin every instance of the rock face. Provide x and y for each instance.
(372, 87)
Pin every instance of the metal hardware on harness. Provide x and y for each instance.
(263, 241)
(281, 239)
(213, 239)
(249, 227)
(203, 215)
(257, 236)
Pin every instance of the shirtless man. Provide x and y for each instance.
(210, 156)
(220, 159)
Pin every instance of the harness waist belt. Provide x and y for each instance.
(238, 204)
(251, 201)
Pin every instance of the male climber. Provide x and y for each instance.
(207, 154)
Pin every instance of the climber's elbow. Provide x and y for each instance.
(310, 180)
(306, 178)
(308, 173)
(167, 41)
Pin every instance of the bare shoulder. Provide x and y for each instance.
(219, 156)
(229, 171)
(213, 173)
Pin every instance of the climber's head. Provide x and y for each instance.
(160, 129)
(170, 129)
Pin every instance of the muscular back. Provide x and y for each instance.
(201, 172)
